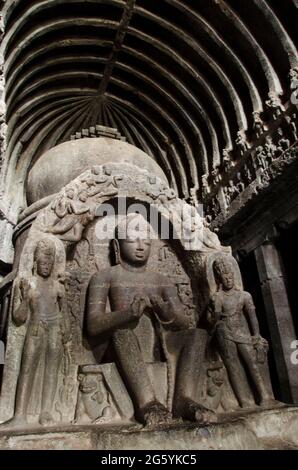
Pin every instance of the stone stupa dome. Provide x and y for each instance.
(63, 163)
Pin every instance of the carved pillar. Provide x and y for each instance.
(279, 317)
(6, 224)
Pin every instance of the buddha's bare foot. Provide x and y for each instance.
(193, 411)
(270, 403)
(155, 414)
(246, 405)
(46, 419)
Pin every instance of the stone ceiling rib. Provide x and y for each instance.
(203, 24)
(119, 39)
(173, 75)
(264, 62)
(285, 39)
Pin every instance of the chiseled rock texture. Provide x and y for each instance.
(272, 429)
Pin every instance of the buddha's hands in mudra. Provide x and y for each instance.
(155, 304)
(163, 309)
(139, 305)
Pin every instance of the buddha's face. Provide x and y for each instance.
(133, 244)
(44, 265)
(227, 279)
(135, 250)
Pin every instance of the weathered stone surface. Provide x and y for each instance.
(274, 430)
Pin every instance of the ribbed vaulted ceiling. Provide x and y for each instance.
(178, 78)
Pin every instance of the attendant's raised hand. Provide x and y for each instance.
(24, 288)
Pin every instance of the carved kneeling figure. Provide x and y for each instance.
(94, 401)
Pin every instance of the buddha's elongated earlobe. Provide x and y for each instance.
(116, 248)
